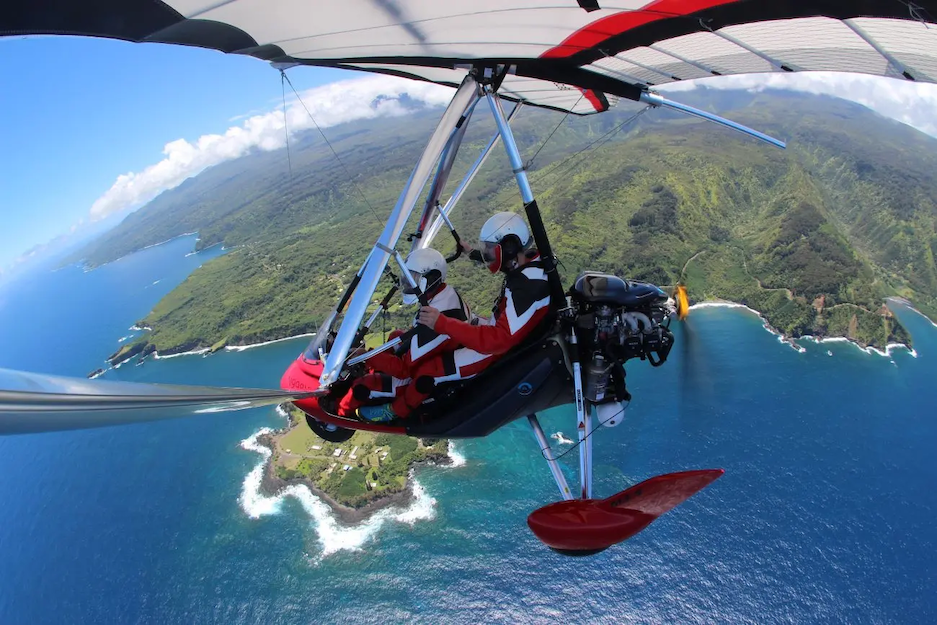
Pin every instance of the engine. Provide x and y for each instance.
(624, 334)
(618, 320)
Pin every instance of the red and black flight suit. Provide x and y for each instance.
(522, 305)
(391, 371)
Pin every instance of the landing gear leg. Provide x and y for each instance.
(583, 421)
(548, 454)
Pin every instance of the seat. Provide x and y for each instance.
(528, 380)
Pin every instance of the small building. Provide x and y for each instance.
(346, 467)
(317, 447)
(337, 453)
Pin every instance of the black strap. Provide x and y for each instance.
(458, 247)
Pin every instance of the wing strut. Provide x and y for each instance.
(655, 99)
(464, 98)
(450, 205)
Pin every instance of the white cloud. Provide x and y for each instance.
(331, 104)
(912, 103)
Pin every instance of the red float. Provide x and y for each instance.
(585, 526)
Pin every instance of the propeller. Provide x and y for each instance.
(682, 300)
(695, 382)
(32, 402)
(690, 382)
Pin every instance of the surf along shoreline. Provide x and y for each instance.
(143, 349)
(272, 485)
(792, 341)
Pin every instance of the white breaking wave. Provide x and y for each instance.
(889, 348)
(194, 352)
(457, 459)
(868, 350)
(125, 338)
(333, 537)
(906, 303)
(241, 348)
(764, 322)
(559, 438)
(834, 339)
(722, 305)
(178, 236)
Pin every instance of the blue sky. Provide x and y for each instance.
(78, 112)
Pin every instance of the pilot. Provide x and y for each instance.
(391, 370)
(523, 303)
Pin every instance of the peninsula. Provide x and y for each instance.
(355, 478)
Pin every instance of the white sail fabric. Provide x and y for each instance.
(572, 55)
(883, 47)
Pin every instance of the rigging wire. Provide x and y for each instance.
(916, 12)
(334, 153)
(591, 432)
(553, 167)
(286, 130)
(599, 142)
(530, 162)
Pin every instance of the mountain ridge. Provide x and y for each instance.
(845, 216)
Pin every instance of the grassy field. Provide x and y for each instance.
(357, 472)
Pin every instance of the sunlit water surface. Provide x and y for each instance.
(825, 513)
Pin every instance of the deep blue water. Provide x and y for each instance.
(825, 514)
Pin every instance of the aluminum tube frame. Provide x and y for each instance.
(451, 203)
(655, 99)
(406, 272)
(534, 218)
(504, 129)
(466, 96)
(373, 317)
(326, 326)
(394, 342)
(547, 452)
(438, 185)
(445, 218)
(583, 422)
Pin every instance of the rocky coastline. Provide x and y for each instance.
(272, 484)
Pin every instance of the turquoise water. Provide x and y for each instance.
(825, 512)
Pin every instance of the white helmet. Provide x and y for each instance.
(504, 235)
(422, 264)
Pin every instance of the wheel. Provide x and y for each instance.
(327, 431)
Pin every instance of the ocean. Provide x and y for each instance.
(825, 513)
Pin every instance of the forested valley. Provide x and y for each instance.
(815, 236)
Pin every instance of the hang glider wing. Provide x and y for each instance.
(576, 55)
(32, 402)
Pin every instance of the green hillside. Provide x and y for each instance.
(814, 236)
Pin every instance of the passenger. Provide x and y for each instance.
(391, 370)
(523, 303)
